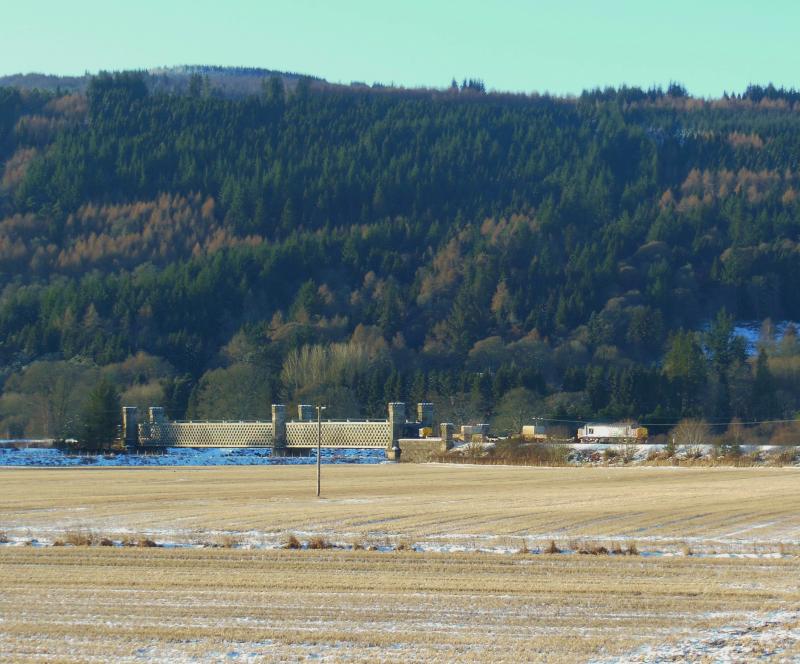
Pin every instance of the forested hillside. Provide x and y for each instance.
(505, 256)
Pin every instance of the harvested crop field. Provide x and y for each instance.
(439, 507)
(718, 573)
(172, 605)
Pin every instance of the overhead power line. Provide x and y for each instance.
(670, 422)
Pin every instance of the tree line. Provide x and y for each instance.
(499, 254)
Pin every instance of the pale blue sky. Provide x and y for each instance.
(562, 47)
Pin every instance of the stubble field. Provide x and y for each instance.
(717, 575)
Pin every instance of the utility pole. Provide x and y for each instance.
(319, 446)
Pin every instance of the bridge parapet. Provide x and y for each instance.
(374, 435)
(206, 434)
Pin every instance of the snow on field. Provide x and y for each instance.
(757, 638)
(594, 453)
(48, 457)
(610, 454)
(180, 456)
(640, 452)
(258, 540)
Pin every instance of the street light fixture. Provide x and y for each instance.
(319, 446)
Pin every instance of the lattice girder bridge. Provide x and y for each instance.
(278, 434)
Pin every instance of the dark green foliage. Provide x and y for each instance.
(101, 417)
(724, 348)
(177, 391)
(686, 369)
(764, 398)
(476, 244)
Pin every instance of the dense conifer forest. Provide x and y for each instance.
(505, 256)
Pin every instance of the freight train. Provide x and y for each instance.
(612, 433)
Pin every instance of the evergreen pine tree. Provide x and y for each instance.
(764, 399)
(101, 417)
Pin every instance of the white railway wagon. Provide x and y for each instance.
(612, 433)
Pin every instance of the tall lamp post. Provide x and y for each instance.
(319, 446)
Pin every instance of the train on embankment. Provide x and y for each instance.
(612, 433)
(589, 433)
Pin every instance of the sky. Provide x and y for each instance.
(561, 47)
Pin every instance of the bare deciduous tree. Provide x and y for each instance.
(692, 432)
(320, 366)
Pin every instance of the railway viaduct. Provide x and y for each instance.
(395, 434)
